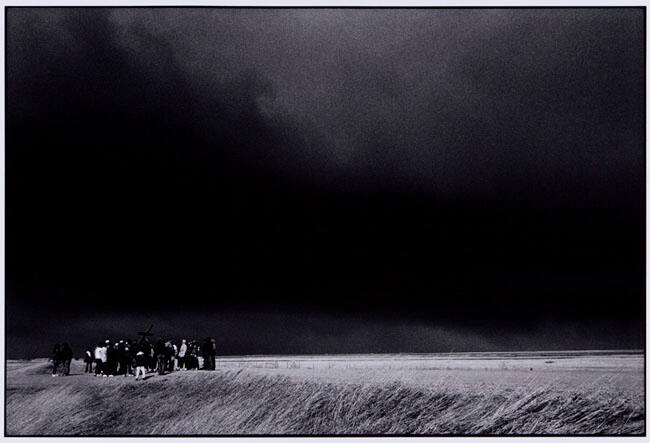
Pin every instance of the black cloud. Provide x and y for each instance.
(470, 167)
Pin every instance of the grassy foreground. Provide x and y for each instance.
(243, 402)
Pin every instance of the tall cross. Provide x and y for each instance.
(145, 334)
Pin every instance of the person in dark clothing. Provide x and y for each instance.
(149, 355)
(213, 353)
(111, 359)
(204, 354)
(117, 354)
(118, 346)
(88, 360)
(170, 356)
(56, 360)
(126, 359)
(190, 355)
(135, 348)
(66, 358)
(194, 356)
(160, 351)
(207, 350)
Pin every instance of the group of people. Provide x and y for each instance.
(61, 358)
(127, 358)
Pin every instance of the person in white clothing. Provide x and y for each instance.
(103, 356)
(181, 355)
(175, 357)
(140, 362)
(99, 367)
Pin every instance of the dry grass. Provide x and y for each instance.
(244, 402)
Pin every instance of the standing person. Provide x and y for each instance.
(213, 353)
(66, 358)
(195, 355)
(151, 357)
(108, 363)
(174, 357)
(135, 348)
(208, 354)
(111, 358)
(99, 364)
(88, 360)
(181, 355)
(103, 355)
(203, 353)
(119, 358)
(160, 351)
(140, 362)
(56, 359)
(169, 356)
(189, 355)
(127, 357)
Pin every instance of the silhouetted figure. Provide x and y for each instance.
(195, 356)
(171, 356)
(56, 360)
(127, 357)
(111, 359)
(119, 355)
(151, 356)
(160, 350)
(213, 343)
(209, 352)
(191, 356)
(66, 358)
(88, 360)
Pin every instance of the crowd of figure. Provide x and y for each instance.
(126, 358)
(61, 358)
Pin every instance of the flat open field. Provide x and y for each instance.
(594, 392)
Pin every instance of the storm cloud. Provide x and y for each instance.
(459, 166)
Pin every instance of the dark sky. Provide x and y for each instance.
(326, 180)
